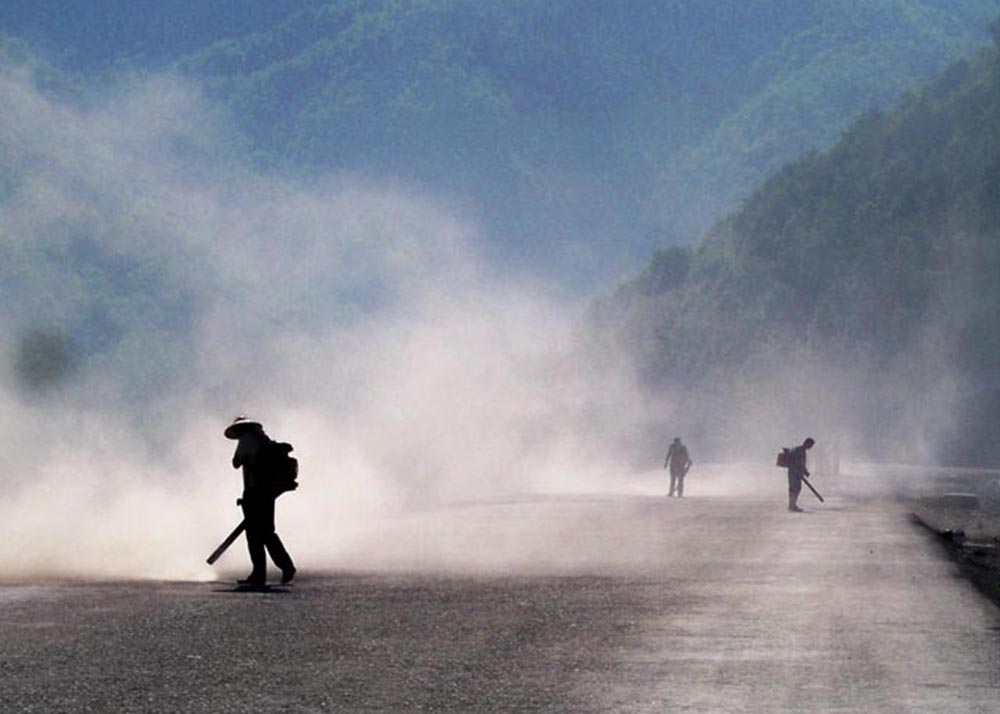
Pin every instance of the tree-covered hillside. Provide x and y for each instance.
(588, 130)
(878, 258)
(583, 133)
(852, 57)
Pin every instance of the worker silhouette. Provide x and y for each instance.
(796, 471)
(679, 462)
(257, 501)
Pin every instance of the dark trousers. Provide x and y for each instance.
(258, 514)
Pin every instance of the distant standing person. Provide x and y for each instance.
(257, 502)
(679, 461)
(796, 470)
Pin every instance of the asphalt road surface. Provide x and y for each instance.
(719, 602)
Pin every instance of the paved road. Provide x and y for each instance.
(720, 602)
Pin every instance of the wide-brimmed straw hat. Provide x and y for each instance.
(240, 425)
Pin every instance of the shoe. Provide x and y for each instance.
(795, 509)
(287, 575)
(253, 581)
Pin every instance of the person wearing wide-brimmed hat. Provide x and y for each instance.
(257, 503)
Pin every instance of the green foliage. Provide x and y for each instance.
(569, 124)
(492, 99)
(884, 248)
(851, 57)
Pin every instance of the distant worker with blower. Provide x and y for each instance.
(268, 471)
(795, 462)
(679, 462)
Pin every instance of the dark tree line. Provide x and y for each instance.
(886, 244)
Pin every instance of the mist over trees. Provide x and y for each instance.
(877, 259)
(583, 135)
(852, 293)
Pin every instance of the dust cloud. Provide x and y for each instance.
(154, 287)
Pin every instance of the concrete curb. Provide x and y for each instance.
(951, 535)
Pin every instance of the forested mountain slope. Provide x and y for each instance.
(875, 262)
(583, 133)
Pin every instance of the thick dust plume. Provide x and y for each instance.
(154, 287)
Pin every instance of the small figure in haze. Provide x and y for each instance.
(258, 502)
(679, 462)
(796, 470)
